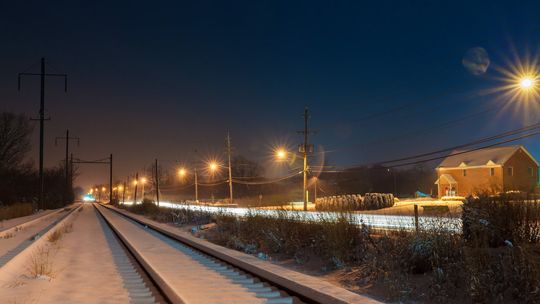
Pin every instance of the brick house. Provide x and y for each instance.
(490, 170)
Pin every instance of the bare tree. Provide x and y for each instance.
(15, 131)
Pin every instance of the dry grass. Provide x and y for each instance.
(55, 236)
(41, 263)
(67, 228)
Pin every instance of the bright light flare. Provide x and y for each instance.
(143, 180)
(527, 82)
(518, 86)
(281, 154)
(103, 189)
(182, 172)
(213, 166)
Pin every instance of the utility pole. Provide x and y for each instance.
(42, 119)
(157, 183)
(196, 186)
(71, 171)
(136, 185)
(124, 193)
(67, 138)
(305, 149)
(315, 180)
(110, 180)
(230, 168)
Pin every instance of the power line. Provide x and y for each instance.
(463, 152)
(479, 141)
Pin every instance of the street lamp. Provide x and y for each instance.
(281, 154)
(182, 172)
(213, 167)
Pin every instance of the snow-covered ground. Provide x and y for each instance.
(82, 267)
(7, 224)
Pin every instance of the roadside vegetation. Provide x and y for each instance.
(19, 177)
(15, 210)
(495, 260)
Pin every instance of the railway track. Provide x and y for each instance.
(24, 244)
(170, 268)
(198, 277)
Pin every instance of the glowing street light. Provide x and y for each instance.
(281, 154)
(213, 166)
(103, 189)
(182, 172)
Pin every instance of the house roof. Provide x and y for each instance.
(449, 179)
(495, 156)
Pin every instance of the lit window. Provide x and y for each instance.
(464, 172)
(492, 171)
(510, 171)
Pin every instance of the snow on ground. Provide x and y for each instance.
(6, 224)
(11, 239)
(83, 270)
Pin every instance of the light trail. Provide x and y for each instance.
(378, 221)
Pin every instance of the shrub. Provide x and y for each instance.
(15, 210)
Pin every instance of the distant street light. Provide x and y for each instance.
(182, 172)
(281, 154)
(213, 166)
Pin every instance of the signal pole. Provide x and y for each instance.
(67, 138)
(42, 121)
(305, 149)
(230, 168)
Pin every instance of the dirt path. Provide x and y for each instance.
(83, 269)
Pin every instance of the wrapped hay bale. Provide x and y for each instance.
(374, 201)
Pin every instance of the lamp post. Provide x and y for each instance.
(182, 172)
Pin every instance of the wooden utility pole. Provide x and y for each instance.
(157, 183)
(67, 164)
(196, 186)
(136, 185)
(110, 179)
(124, 193)
(42, 119)
(230, 168)
(305, 148)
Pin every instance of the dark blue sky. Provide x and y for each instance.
(149, 79)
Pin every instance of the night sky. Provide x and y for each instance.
(158, 79)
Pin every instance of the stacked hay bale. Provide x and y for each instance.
(339, 203)
(373, 201)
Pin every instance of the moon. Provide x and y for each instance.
(476, 61)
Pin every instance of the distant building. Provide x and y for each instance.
(490, 170)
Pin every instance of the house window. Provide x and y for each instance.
(531, 172)
(492, 171)
(510, 171)
(464, 172)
